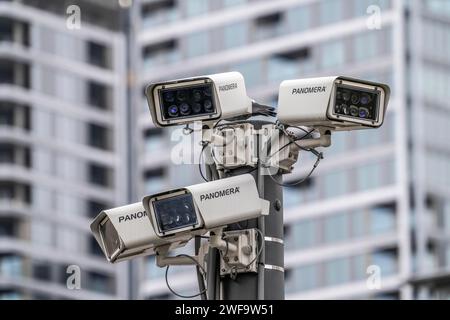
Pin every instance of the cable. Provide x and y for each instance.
(200, 162)
(303, 179)
(200, 280)
(180, 295)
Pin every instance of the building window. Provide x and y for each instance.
(98, 95)
(330, 11)
(159, 12)
(268, 26)
(6, 153)
(98, 55)
(298, 18)
(235, 35)
(155, 180)
(6, 29)
(8, 226)
(365, 46)
(42, 271)
(337, 271)
(99, 282)
(197, 44)
(382, 219)
(11, 266)
(94, 207)
(161, 53)
(335, 184)
(333, 54)
(386, 260)
(336, 228)
(99, 136)
(99, 175)
(196, 7)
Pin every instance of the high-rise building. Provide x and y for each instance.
(380, 198)
(62, 146)
(76, 137)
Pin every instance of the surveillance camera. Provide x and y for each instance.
(337, 103)
(202, 98)
(202, 207)
(126, 232)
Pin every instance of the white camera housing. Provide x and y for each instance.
(202, 98)
(126, 232)
(319, 102)
(129, 231)
(203, 207)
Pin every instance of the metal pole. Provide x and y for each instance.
(268, 283)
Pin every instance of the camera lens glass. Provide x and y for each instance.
(197, 95)
(196, 107)
(346, 96)
(355, 98)
(185, 109)
(365, 99)
(363, 112)
(354, 111)
(207, 104)
(181, 95)
(169, 97)
(173, 111)
(174, 213)
(356, 102)
(187, 101)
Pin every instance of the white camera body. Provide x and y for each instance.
(126, 232)
(203, 98)
(335, 103)
(174, 217)
(200, 208)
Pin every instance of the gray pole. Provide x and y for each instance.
(271, 273)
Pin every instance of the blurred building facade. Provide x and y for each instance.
(62, 147)
(79, 139)
(380, 197)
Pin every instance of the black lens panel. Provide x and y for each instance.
(185, 102)
(175, 212)
(356, 102)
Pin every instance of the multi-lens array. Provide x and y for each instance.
(189, 101)
(357, 103)
(175, 212)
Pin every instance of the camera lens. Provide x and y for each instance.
(181, 95)
(173, 111)
(169, 96)
(345, 108)
(178, 219)
(346, 96)
(355, 98)
(197, 95)
(185, 109)
(196, 107)
(365, 99)
(354, 111)
(208, 105)
(186, 218)
(363, 112)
